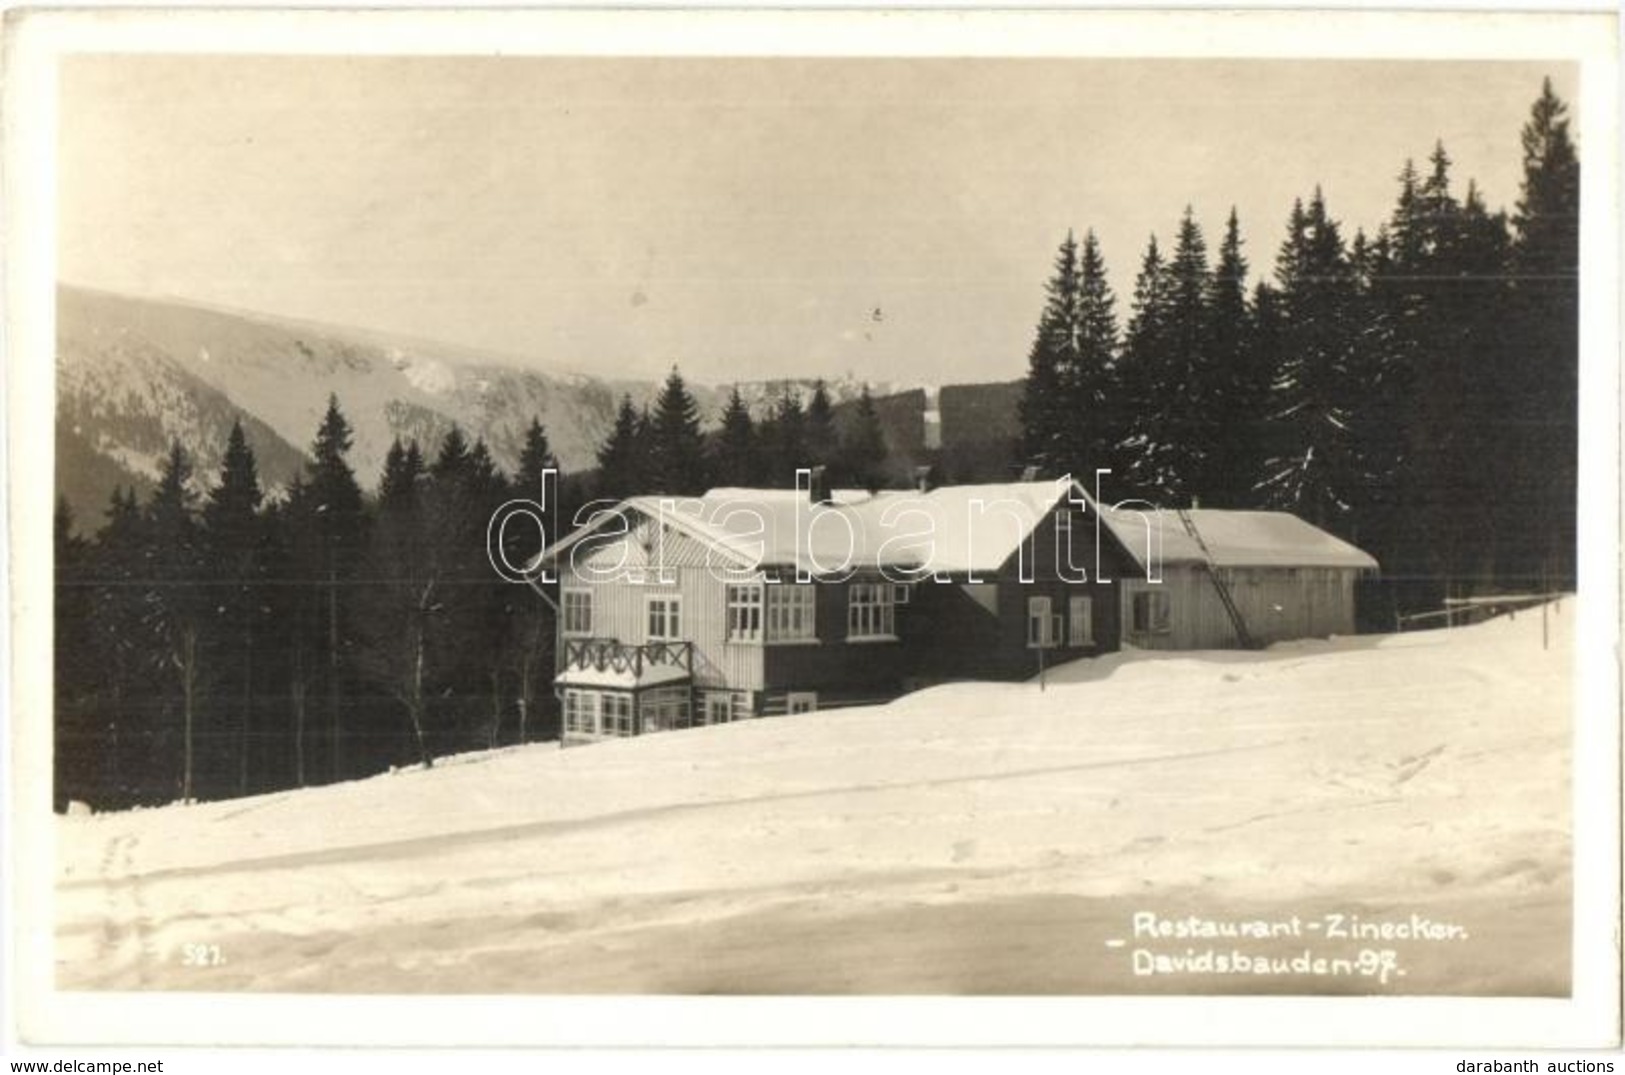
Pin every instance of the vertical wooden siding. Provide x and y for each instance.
(619, 606)
(1277, 604)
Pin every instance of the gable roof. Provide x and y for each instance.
(952, 530)
(1236, 539)
(956, 530)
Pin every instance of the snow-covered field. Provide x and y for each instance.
(976, 838)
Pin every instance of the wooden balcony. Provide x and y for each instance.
(611, 656)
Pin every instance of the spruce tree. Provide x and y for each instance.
(737, 459)
(333, 503)
(402, 477)
(535, 457)
(1088, 381)
(1142, 445)
(1310, 470)
(76, 744)
(786, 437)
(823, 441)
(128, 660)
(1045, 412)
(678, 448)
(175, 605)
(1544, 316)
(862, 451)
(401, 603)
(1236, 389)
(1185, 374)
(618, 474)
(233, 545)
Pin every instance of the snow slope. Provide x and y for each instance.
(988, 838)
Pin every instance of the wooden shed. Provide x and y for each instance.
(1233, 578)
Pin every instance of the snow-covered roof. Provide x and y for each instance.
(1233, 538)
(959, 529)
(951, 530)
(653, 675)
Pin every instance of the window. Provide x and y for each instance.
(780, 613)
(581, 712)
(1043, 628)
(790, 612)
(870, 611)
(665, 618)
(1151, 613)
(900, 592)
(745, 613)
(719, 707)
(1082, 615)
(577, 612)
(664, 709)
(617, 709)
(801, 702)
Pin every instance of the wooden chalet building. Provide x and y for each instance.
(752, 602)
(1227, 579)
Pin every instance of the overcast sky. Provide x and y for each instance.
(744, 218)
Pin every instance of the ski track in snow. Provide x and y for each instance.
(978, 837)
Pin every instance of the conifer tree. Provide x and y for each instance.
(1185, 377)
(527, 645)
(737, 460)
(233, 546)
(677, 448)
(76, 745)
(535, 457)
(1045, 411)
(1236, 391)
(174, 603)
(786, 437)
(1142, 442)
(1310, 468)
(863, 449)
(1089, 380)
(333, 506)
(407, 591)
(1545, 328)
(618, 456)
(823, 441)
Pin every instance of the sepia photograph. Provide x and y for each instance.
(721, 522)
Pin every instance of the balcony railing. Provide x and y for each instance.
(610, 655)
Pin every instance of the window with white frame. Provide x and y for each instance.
(1082, 617)
(617, 713)
(1043, 631)
(719, 707)
(665, 617)
(577, 612)
(581, 712)
(785, 612)
(745, 612)
(791, 611)
(870, 610)
(1151, 612)
(901, 592)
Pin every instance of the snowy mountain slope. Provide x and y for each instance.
(135, 372)
(282, 373)
(971, 838)
(121, 401)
